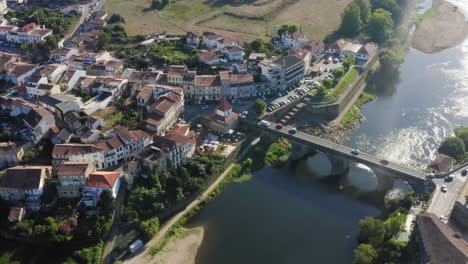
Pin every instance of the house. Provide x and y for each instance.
(70, 79)
(44, 89)
(33, 83)
(63, 54)
(31, 33)
(173, 149)
(16, 214)
(442, 163)
(338, 46)
(93, 122)
(193, 38)
(96, 23)
(24, 184)
(367, 51)
(163, 114)
(255, 58)
(145, 96)
(293, 40)
(53, 72)
(130, 171)
(38, 121)
(227, 42)
(7, 58)
(438, 242)
(351, 49)
(224, 119)
(72, 177)
(61, 137)
(234, 53)
(211, 39)
(316, 47)
(209, 58)
(111, 67)
(98, 182)
(61, 104)
(11, 153)
(91, 136)
(82, 61)
(144, 77)
(18, 72)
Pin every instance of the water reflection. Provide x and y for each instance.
(362, 177)
(319, 165)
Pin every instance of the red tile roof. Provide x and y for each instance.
(224, 105)
(74, 149)
(103, 179)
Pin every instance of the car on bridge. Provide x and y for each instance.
(384, 162)
(355, 152)
(279, 126)
(292, 131)
(264, 123)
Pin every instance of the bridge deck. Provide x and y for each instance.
(344, 152)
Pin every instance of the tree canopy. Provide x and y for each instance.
(380, 26)
(364, 254)
(289, 28)
(390, 59)
(364, 9)
(351, 23)
(260, 106)
(453, 147)
(391, 6)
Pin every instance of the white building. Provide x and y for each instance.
(62, 54)
(293, 40)
(39, 121)
(17, 72)
(31, 33)
(193, 38)
(98, 182)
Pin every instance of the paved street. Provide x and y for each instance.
(442, 202)
(194, 111)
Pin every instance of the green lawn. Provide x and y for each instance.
(350, 117)
(343, 84)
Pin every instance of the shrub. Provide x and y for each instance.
(150, 227)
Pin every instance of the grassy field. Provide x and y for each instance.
(243, 19)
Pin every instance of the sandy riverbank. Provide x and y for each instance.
(443, 27)
(181, 249)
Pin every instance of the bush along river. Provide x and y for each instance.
(299, 214)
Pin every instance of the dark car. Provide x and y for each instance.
(384, 162)
(464, 172)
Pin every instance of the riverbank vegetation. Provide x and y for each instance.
(378, 237)
(278, 152)
(455, 147)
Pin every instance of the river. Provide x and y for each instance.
(288, 216)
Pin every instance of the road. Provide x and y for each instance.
(345, 152)
(442, 202)
(84, 13)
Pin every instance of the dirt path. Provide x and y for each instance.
(443, 27)
(182, 249)
(144, 257)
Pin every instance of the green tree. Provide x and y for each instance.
(327, 82)
(150, 227)
(260, 106)
(364, 254)
(391, 6)
(90, 255)
(394, 224)
(453, 147)
(390, 59)
(371, 231)
(288, 28)
(380, 26)
(115, 18)
(463, 135)
(391, 250)
(338, 73)
(351, 23)
(364, 9)
(106, 202)
(7, 258)
(348, 62)
(321, 89)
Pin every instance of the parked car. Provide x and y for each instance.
(355, 152)
(464, 172)
(449, 178)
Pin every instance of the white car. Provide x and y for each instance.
(444, 188)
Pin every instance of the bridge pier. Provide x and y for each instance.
(339, 165)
